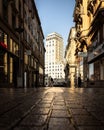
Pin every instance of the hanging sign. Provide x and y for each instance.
(82, 54)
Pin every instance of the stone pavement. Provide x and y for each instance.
(52, 109)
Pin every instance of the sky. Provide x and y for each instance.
(56, 16)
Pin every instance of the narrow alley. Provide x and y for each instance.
(52, 108)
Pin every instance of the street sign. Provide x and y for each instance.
(82, 54)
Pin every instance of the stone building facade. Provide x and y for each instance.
(89, 23)
(21, 44)
(54, 57)
(71, 65)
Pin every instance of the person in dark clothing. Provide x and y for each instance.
(79, 81)
(52, 82)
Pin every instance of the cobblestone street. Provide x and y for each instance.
(52, 109)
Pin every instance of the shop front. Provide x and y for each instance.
(8, 61)
(96, 67)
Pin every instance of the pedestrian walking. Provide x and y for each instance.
(52, 82)
(79, 81)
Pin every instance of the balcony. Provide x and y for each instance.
(90, 6)
(78, 19)
(77, 10)
(98, 21)
(78, 34)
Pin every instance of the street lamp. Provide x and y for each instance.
(19, 79)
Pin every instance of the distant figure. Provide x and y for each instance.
(51, 82)
(79, 81)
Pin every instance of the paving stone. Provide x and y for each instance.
(91, 128)
(28, 128)
(4, 128)
(34, 120)
(8, 106)
(46, 102)
(59, 98)
(86, 120)
(58, 107)
(72, 101)
(59, 113)
(74, 105)
(10, 117)
(99, 115)
(78, 112)
(60, 124)
(42, 105)
(92, 108)
(58, 102)
(40, 111)
(31, 109)
(13, 116)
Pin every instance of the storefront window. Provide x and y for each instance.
(25, 59)
(97, 70)
(13, 47)
(11, 70)
(102, 69)
(91, 71)
(81, 71)
(3, 57)
(31, 61)
(3, 39)
(40, 70)
(5, 64)
(3, 68)
(16, 49)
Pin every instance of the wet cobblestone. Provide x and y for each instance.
(60, 124)
(52, 109)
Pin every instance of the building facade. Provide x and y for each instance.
(71, 65)
(21, 44)
(82, 27)
(96, 48)
(54, 66)
(88, 18)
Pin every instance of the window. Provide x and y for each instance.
(32, 61)
(13, 47)
(3, 68)
(101, 34)
(91, 71)
(11, 70)
(5, 9)
(13, 21)
(5, 64)
(3, 39)
(40, 70)
(25, 59)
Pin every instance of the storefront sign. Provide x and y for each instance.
(3, 45)
(82, 54)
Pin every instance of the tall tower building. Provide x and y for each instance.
(54, 56)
